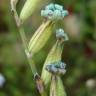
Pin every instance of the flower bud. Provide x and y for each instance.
(28, 9)
(61, 34)
(58, 7)
(40, 37)
(56, 68)
(50, 7)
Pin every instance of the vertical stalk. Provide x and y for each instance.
(28, 54)
(24, 40)
(38, 80)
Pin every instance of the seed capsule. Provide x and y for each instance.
(57, 14)
(28, 9)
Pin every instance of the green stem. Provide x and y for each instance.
(24, 39)
(31, 63)
(28, 54)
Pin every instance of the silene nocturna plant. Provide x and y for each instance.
(53, 66)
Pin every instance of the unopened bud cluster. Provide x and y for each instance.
(56, 68)
(54, 12)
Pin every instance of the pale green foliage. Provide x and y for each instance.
(60, 33)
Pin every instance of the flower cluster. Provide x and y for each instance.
(56, 68)
(54, 12)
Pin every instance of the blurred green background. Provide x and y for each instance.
(79, 52)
